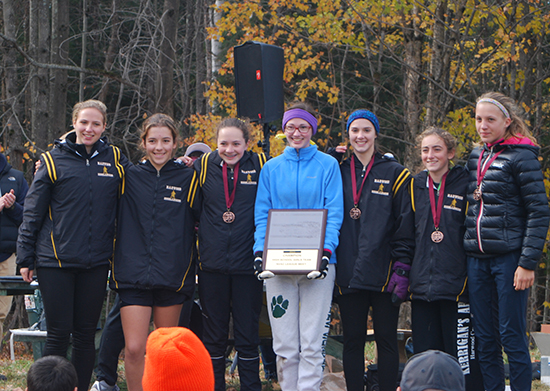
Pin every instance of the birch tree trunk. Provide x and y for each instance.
(200, 53)
(215, 42)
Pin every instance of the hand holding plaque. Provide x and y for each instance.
(294, 241)
(323, 269)
(259, 272)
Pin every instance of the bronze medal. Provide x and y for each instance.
(228, 217)
(437, 236)
(477, 194)
(355, 213)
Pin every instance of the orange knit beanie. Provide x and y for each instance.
(176, 360)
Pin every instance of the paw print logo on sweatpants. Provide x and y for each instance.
(278, 306)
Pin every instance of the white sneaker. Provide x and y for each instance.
(101, 385)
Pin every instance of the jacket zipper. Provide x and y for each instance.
(480, 215)
(297, 176)
(227, 258)
(152, 237)
(431, 266)
(91, 213)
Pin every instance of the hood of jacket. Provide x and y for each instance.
(4, 165)
(69, 143)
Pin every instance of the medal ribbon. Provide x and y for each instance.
(357, 195)
(230, 198)
(436, 213)
(481, 172)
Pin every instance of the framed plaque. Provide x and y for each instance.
(294, 240)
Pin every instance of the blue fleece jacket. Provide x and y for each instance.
(301, 179)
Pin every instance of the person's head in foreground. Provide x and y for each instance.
(52, 373)
(176, 360)
(430, 371)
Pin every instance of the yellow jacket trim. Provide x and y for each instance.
(119, 167)
(50, 165)
(400, 179)
(53, 242)
(412, 195)
(204, 168)
(186, 272)
(193, 190)
(463, 289)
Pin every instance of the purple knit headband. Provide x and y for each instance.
(302, 114)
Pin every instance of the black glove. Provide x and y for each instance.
(258, 268)
(323, 269)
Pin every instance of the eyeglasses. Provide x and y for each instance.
(302, 129)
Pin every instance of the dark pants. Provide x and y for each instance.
(73, 299)
(434, 325)
(112, 342)
(269, 359)
(354, 310)
(222, 294)
(486, 276)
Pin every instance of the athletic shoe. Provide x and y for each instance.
(102, 386)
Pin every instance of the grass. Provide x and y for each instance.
(16, 372)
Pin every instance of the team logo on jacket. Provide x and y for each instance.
(382, 185)
(249, 180)
(453, 206)
(11, 178)
(105, 172)
(173, 197)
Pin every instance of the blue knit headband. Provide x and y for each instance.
(361, 113)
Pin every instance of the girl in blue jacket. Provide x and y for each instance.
(153, 268)
(300, 178)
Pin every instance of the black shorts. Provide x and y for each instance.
(150, 297)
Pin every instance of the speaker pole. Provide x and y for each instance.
(265, 144)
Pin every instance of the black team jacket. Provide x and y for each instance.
(383, 234)
(226, 248)
(155, 239)
(438, 270)
(70, 209)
